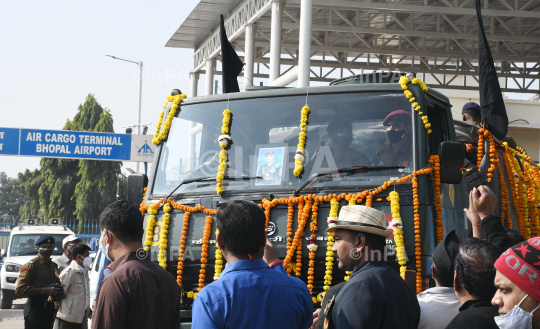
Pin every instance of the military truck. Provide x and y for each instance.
(347, 151)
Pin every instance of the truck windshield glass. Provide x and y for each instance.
(23, 245)
(356, 129)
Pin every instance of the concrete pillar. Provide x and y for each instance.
(193, 86)
(209, 83)
(275, 40)
(304, 44)
(249, 55)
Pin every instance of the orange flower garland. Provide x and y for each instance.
(204, 252)
(503, 193)
(297, 241)
(143, 207)
(417, 245)
(180, 269)
(312, 245)
(290, 221)
(492, 156)
(437, 189)
(480, 154)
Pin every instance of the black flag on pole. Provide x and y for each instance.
(491, 98)
(230, 62)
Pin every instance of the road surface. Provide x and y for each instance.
(13, 318)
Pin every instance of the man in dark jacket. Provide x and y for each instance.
(375, 295)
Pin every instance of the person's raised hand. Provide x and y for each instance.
(484, 201)
(315, 318)
(471, 213)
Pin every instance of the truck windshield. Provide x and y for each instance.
(23, 245)
(344, 130)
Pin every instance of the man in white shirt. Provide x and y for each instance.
(439, 305)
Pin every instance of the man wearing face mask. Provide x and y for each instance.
(518, 286)
(64, 260)
(35, 280)
(73, 311)
(340, 134)
(397, 150)
(138, 293)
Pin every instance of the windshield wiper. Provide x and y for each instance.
(210, 178)
(342, 170)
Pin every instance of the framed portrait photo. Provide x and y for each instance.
(271, 163)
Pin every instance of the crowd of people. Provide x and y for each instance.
(488, 281)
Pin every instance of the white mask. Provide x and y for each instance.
(517, 318)
(87, 262)
(106, 248)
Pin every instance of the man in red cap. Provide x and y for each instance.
(518, 286)
(397, 150)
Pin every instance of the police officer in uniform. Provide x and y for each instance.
(35, 280)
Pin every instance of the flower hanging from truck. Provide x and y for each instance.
(397, 226)
(162, 132)
(224, 141)
(299, 156)
(403, 81)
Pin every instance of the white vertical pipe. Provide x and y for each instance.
(275, 40)
(249, 55)
(210, 68)
(304, 43)
(194, 79)
(193, 86)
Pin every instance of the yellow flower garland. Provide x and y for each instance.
(403, 81)
(162, 132)
(397, 226)
(151, 223)
(300, 152)
(334, 207)
(218, 267)
(163, 236)
(224, 141)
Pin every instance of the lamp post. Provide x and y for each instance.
(140, 64)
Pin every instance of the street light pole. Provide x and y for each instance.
(140, 64)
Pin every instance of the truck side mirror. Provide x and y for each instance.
(452, 156)
(2, 253)
(135, 187)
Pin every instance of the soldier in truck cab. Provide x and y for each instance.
(340, 134)
(397, 150)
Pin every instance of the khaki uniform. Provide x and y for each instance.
(39, 311)
(385, 156)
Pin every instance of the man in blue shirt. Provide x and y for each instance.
(249, 293)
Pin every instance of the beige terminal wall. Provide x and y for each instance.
(526, 135)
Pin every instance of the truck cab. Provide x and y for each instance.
(348, 127)
(21, 249)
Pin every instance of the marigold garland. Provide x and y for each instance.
(397, 226)
(434, 159)
(162, 132)
(403, 81)
(204, 251)
(300, 152)
(150, 224)
(504, 194)
(290, 221)
(224, 141)
(347, 275)
(297, 241)
(163, 236)
(180, 268)
(492, 155)
(142, 206)
(332, 220)
(218, 267)
(417, 246)
(312, 245)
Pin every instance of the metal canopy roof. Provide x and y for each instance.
(437, 38)
(201, 22)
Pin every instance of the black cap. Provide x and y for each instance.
(446, 251)
(45, 239)
(471, 107)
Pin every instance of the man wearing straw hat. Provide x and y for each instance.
(375, 295)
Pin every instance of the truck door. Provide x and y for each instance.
(453, 196)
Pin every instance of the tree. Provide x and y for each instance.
(10, 202)
(63, 188)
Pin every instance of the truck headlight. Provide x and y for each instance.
(13, 267)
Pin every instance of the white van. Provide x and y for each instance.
(20, 250)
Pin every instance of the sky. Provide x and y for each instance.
(52, 55)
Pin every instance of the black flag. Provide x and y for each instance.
(491, 99)
(230, 62)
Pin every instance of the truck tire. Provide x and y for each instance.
(5, 302)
